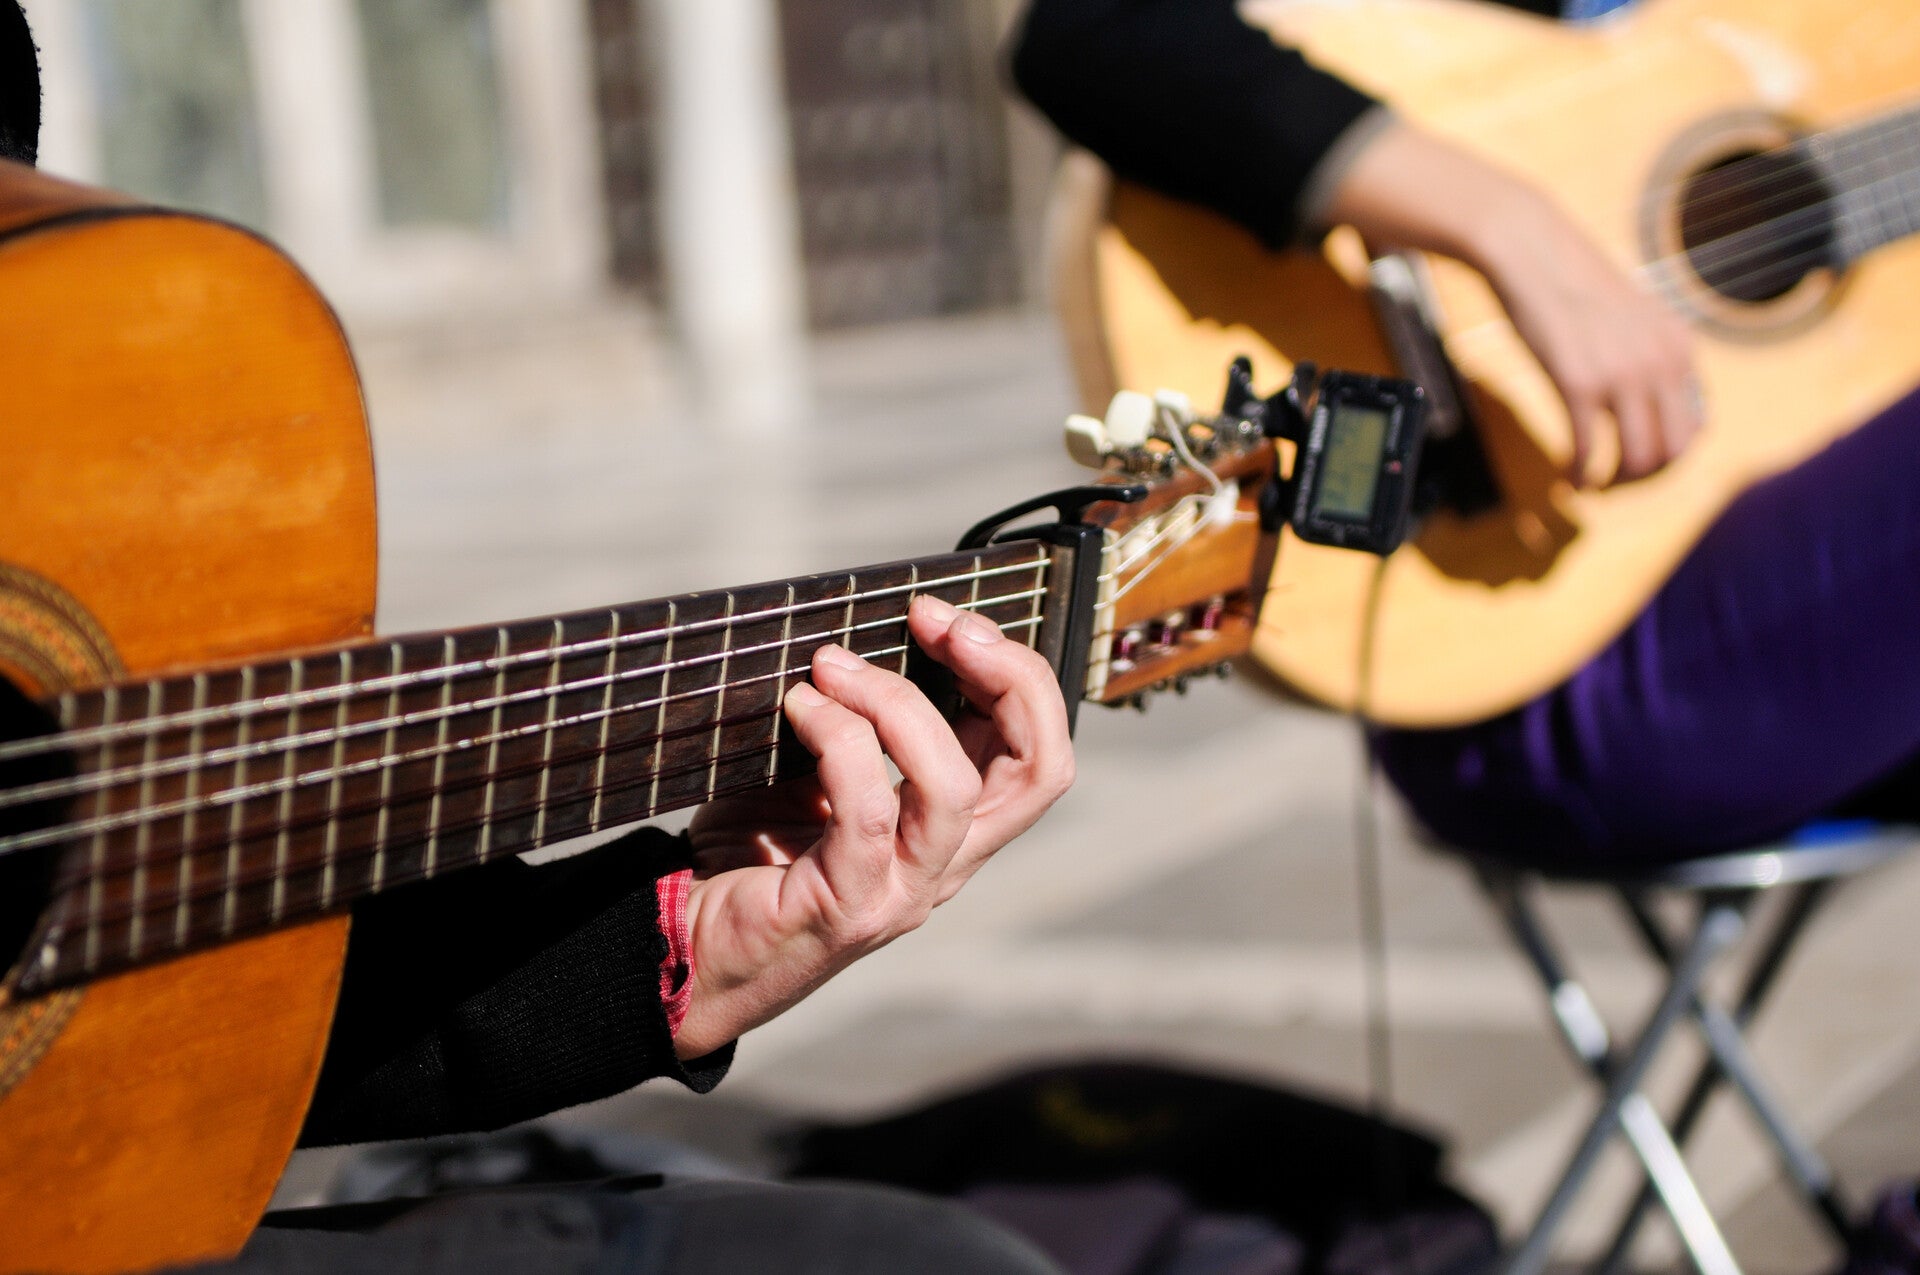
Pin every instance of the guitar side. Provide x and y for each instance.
(1481, 614)
(187, 480)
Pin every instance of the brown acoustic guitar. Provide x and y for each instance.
(205, 759)
(1755, 162)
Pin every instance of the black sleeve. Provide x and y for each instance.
(1183, 96)
(502, 993)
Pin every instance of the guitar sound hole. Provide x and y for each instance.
(1754, 225)
(26, 877)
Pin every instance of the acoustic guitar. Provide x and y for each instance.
(205, 759)
(1755, 162)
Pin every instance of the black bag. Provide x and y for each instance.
(1344, 1193)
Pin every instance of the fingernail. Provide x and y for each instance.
(978, 629)
(936, 608)
(840, 657)
(803, 694)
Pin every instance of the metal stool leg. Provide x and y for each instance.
(1726, 1041)
(1720, 924)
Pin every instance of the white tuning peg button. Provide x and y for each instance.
(1087, 440)
(1174, 401)
(1129, 420)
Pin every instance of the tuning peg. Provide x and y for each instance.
(1087, 440)
(1175, 402)
(1129, 420)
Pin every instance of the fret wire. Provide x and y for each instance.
(229, 900)
(546, 747)
(196, 739)
(906, 633)
(143, 832)
(437, 751)
(432, 852)
(846, 629)
(690, 768)
(720, 700)
(382, 824)
(727, 790)
(331, 835)
(97, 852)
(70, 787)
(606, 718)
(265, 748)
(493, 752)
(780, 689)
(660, 719)
(282, 845)
(675, 772)
(67, 740)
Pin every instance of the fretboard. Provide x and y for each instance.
(1873, 170)
(212, 805)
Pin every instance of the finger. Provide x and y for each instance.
(1013, 688)
(856, 847)
(938, 785)
(1642, 449)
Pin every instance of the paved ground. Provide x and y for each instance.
(1193, 899)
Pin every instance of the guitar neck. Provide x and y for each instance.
(215, 804)
(1873, 172)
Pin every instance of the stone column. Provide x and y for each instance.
(729, 219)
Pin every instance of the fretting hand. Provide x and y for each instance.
(1613, 351)
(795, 883)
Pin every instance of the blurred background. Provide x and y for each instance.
(653, 296)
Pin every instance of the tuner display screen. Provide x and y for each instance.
(1350, 466)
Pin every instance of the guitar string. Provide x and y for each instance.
(142, 904)
(68, 739)
(308, 822)
(1854, 149)
(287, 745)
(1171, 536)
(1809, 178)
(1905, 150)
(274, 787)
(91, 781)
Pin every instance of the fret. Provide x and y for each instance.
(229, 895)
(383, 819)
(846, 624)
(143, 830)
(337, 762)
(720, 701)
(780, 688)
(97, 849)
(289, 767)
(660, 718)
(1038, 613)
(431, 861)
(906, 638)
(485, 848)
(189, 818)
(546, 735)
(606, 719)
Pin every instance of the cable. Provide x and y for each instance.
(1390, 1182)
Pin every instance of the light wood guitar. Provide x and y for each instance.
(205, 759)
(1756, 162)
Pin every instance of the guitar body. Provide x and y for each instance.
(1480, 614)
(187, 479)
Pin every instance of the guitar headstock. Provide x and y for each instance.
(1183, 570)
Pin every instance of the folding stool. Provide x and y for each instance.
(1722, 890)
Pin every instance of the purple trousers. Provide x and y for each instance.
(1774, 680)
